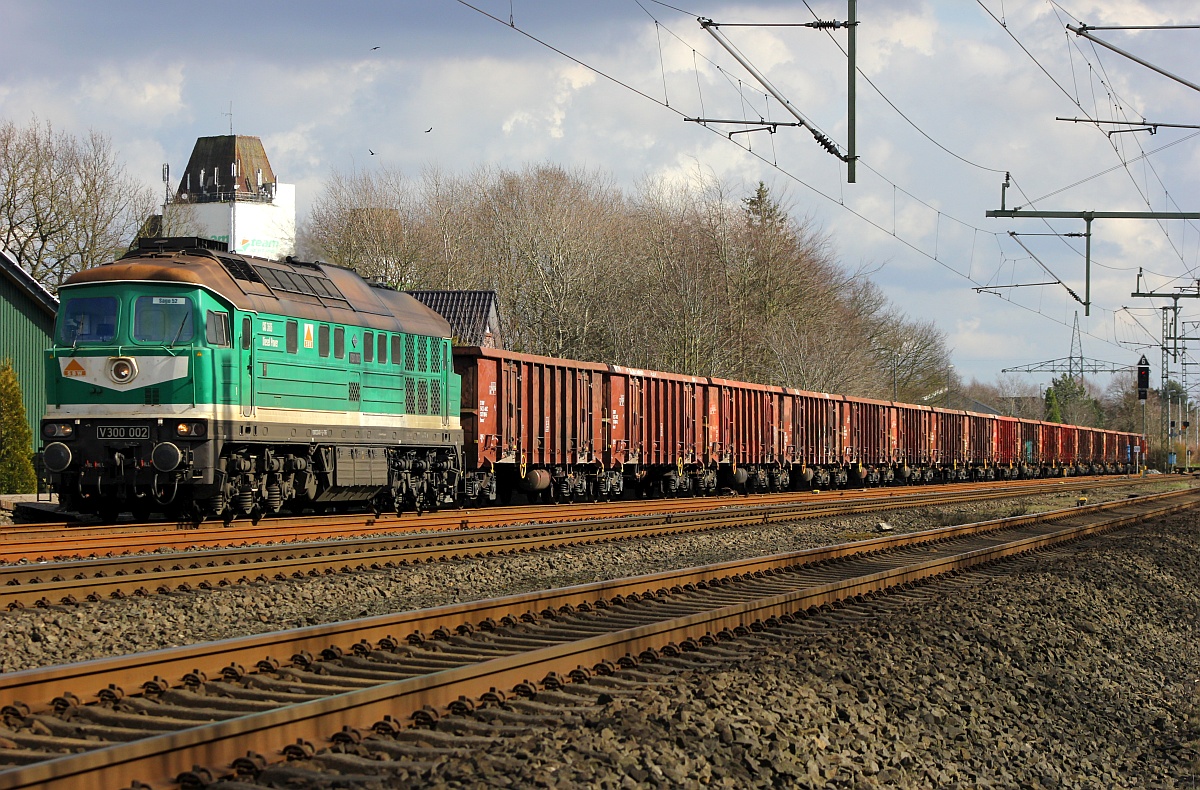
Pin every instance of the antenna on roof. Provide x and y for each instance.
(230, 114)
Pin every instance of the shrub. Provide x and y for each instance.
(16, 442)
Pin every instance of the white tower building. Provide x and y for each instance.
(229, 193)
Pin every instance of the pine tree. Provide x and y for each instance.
(16, 442)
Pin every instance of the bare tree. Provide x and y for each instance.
(682, 276)
(66, 203)
(369, 221)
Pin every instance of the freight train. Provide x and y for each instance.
(189, 380)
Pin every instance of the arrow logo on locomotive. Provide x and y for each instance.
(74, 369)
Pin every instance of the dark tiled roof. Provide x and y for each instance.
(23, 280)
(210, 168)
(472, 314)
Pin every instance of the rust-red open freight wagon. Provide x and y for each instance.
(558, 428)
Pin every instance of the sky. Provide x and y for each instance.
(950, 97)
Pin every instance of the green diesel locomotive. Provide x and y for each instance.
(190, 380)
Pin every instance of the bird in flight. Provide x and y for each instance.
(374, 48)
(430, 129)
(372, 153)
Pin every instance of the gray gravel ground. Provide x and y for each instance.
(43, 637)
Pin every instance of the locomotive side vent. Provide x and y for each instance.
(355, 391)
(423, 397)
(153, 397)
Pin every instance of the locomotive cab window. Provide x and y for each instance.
(247, 333)
(216, 328)
(383, 348)
(323, 341)
(90, 319)
(293, 337)
(339, 342)
(397, 349)
(162, 319)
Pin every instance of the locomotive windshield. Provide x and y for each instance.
(88, 319)
(162, 319)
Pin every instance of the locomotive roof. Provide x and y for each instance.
(313, 291)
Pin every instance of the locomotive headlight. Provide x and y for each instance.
(58, 430)
(122, 370)
(193, 429)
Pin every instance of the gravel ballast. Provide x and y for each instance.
(1073, 668)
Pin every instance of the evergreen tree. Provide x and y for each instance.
(1053, 411)
(16, 443)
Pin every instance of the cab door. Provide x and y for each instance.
(246, 384)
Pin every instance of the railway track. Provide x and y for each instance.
(42, 543)
(230, 707)
(66, 582)
(502, 514)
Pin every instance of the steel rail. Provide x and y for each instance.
(309, 527)
(40, 551)
(158, 760)
(48, 584)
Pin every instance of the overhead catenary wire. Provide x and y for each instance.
(900, 112)
(1118, 107)
(796, 179)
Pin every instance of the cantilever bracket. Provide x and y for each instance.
(765, 126)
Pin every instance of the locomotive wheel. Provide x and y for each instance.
(142, 510)
(109, 511)
(193, 514)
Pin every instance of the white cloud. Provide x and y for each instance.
(142, 92)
